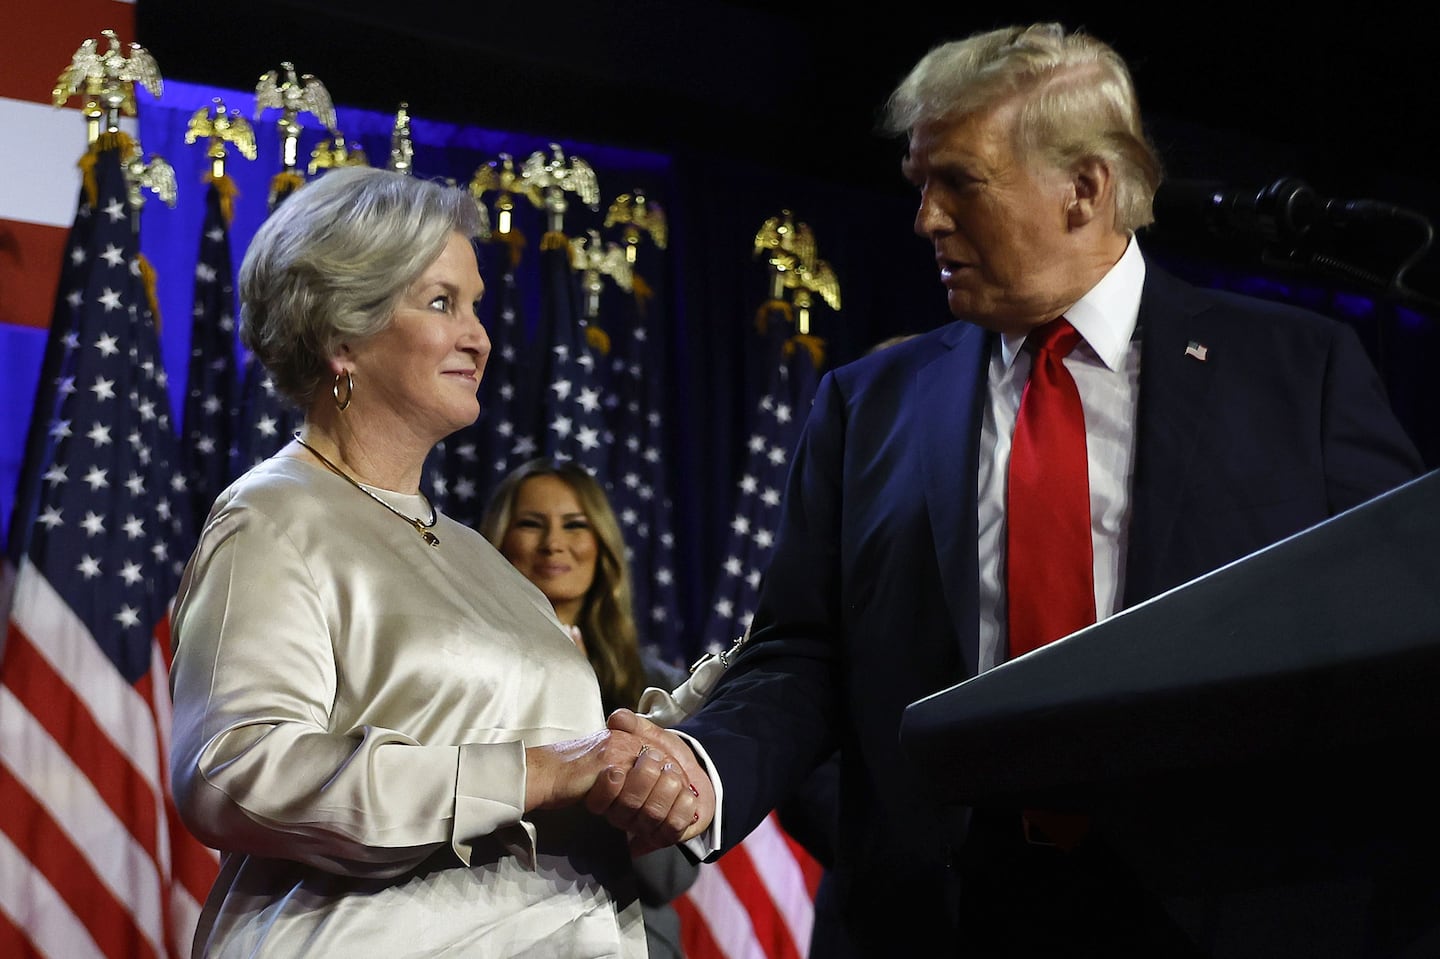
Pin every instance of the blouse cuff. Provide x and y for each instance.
(490, 799)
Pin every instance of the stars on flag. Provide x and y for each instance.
(773, 431)
(211, 419)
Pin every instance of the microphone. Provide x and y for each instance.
(1285, 210)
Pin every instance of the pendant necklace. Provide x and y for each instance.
(422, 528)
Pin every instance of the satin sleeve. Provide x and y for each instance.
(261, 763)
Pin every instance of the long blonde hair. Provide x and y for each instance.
(607, 617)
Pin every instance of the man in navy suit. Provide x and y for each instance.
(1214, 424)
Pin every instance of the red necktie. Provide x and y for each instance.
(1050, 578)
(1050, 569)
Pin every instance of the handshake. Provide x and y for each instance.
(642, 778)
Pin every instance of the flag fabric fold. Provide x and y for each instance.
(465, 466)
(790, 366)
(757, 900)
(73, 268)
(210, 414)
(638, 483)
(265, 418)
(94, 860)
(575, 427)
(510, 405)
(754, 902)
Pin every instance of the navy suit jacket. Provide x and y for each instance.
(870, 599)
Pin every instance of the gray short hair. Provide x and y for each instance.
(332, 261)
(1079, 102)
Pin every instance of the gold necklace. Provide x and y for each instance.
(422, 528)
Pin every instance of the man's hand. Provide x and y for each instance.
(663, 797)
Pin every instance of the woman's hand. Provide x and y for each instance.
(641, 777)
(645, 801)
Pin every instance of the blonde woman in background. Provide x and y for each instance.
(554, 522)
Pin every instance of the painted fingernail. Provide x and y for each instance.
(696, 793)
(696, 818)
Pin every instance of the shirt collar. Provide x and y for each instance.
(1106, 316)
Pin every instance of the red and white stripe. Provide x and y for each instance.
(754, 902)
(93, 861)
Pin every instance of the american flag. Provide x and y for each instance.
(455, 474)
(93, 861)
(450, 475)
(639, 488)
(211, 414)
(754, 902)
(791, 365)
(757, 899)
(265, 418)
(575, 425)
(465, 466)
(73, 269)
(508, 412)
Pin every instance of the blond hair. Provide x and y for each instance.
(1079, 102)
(607, 618)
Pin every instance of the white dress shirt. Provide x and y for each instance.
(1106, 368)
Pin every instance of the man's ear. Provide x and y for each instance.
(1092, 192)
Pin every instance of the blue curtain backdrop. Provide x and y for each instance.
(706, 349)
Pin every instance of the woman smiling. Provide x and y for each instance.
(380, 724)
(554, 522)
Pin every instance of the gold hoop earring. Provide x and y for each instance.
(343, 404)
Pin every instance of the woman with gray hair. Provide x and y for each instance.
(378, 721)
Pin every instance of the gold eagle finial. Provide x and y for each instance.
(500, 177)
(219, 128)
(107, 78)
(292, 95)
(558, 175)
(334, 151)
(594, 260)
(282, 90)
(636, 215)
(790, 252)
(155, 175)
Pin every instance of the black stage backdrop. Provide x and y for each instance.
(757, 111)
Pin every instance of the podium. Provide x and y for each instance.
(1260, 744)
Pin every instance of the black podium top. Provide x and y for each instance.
(1313, 661)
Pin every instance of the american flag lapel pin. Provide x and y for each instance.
(1197, 350)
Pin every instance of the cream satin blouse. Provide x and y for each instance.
(351, 708)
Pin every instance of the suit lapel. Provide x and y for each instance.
(1174, 391)
(1177, 367)
(950, 389)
